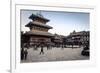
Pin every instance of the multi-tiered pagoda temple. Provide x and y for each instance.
(38, 30)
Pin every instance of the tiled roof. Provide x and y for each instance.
(41, 33)
(38, 24)
(33, 16)
(80, 33)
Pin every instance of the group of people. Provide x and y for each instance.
(24, 53)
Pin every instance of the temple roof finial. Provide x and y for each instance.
(39, 13)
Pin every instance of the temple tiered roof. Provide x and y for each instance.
(33, 17)
(30, 24)
(39, 33)
(38, 26)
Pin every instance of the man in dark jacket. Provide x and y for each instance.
(41, 52)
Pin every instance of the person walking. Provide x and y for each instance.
(22, 53)
(25, 54)
(42, 52)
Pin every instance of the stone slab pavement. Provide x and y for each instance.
(54, 54)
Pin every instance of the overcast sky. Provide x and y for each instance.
(62, 22)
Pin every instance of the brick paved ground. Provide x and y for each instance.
(54, 54)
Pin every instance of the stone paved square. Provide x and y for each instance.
(54, 54)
